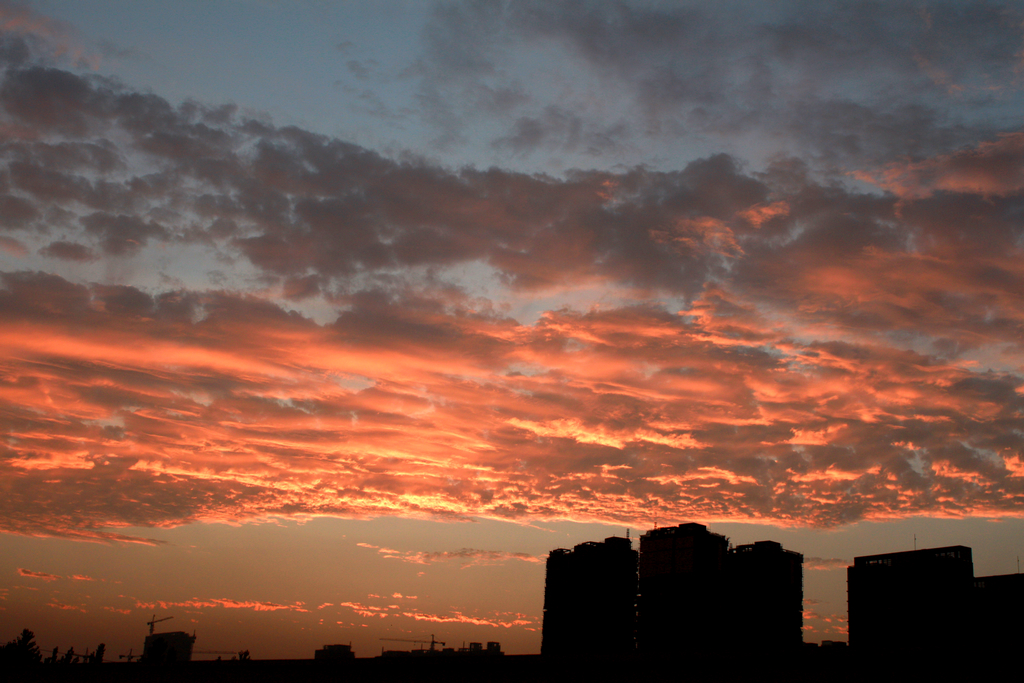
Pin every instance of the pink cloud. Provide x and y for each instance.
(12, 246)
(992, 168)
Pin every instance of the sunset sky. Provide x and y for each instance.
(323, 322)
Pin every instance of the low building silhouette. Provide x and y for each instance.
(167, 648)
(590, 600)
(493, 649)
(333, 652)
(911, 601)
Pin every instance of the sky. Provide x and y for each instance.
(324, 322)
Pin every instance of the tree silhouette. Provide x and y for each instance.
(22, 650)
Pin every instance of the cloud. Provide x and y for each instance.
(12, 246)
(26, 34)
(250, 320)
(495, 619)
(196, 603)
(793, 78)
(823, 564)
(68, 251)
(37, 575)
(463, 556)
(992, 168)
(498, 621)
(62, 606)
(714, 423)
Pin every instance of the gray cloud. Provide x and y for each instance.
(848, 85)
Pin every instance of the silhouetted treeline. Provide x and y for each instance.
(23, 651)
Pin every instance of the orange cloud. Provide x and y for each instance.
(824, 564)
(459, 618)
(464, 556)
(37, 575)
(253, 605)
(402, 339)
(992, 168)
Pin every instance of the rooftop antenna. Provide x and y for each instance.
(915, 541)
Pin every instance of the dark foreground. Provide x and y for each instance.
(832, 666)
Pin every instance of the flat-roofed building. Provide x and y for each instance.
(911, 601)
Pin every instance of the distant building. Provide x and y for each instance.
(334, 652)
(912, 601)
(167, 648)
(765, 593)
(681, 606)
(474, 650)
(477, 649)
(590, 600)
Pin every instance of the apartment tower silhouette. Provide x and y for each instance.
(687, 592)
(682, 582)
(590, 600)
(765, 590)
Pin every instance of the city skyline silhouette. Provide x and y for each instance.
(690, 593)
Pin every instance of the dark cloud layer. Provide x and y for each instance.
(847, 83)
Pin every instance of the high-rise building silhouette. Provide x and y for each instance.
(911, 601)
(590, 600)
(765, 591)
(681, 605)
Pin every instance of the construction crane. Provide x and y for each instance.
(431, 641)
(156, 621)
(129, 656)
